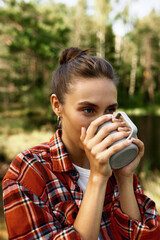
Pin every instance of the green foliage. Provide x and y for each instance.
(110, 45)
(37, 33)
(33, 36)
(146, 38)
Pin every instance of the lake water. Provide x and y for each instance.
(149, 133)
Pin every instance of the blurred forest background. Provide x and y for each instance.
(32, 36)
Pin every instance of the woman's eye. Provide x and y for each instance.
(111, 110)
(88, 110)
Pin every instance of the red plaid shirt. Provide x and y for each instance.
(42, 198)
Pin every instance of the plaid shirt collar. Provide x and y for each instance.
(59, 155)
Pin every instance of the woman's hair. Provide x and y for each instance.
(74, 64)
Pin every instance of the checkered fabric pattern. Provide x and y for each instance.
(42, 198)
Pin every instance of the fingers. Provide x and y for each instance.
(124, 129)
(83, 134)
(105, 131)
(106, 154)
(106, 127)
(92, 129)
(93, 139)
(108, 141)
(123, 125)
(140, 145)
(103, 139)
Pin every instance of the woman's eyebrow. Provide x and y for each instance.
(113, 105)
(88, 104)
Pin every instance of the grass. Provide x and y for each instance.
(151, 186)
(3, 231)
(13, 144)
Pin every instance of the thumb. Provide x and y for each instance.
(83, 133)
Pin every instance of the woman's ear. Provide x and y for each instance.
(56, 105)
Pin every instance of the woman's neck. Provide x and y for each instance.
(76, 154)
(81, 162)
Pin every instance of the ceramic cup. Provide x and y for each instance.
(128, 154)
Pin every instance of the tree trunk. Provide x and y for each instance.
(133, 76)
(102, 9)
(148, 83)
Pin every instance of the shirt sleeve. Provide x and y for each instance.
(128, 228)
(28, 217)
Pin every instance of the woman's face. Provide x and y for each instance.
(87, 100)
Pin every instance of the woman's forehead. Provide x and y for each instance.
(93, 90)
(95, 84)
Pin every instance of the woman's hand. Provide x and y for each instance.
(129, 169)
(97, 145)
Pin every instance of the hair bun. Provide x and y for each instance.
(70, 54)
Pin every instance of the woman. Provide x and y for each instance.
(65, 188)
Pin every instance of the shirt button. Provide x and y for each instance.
(74, 215)
(77, 188)
(74, 173)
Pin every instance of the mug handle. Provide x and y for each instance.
(128, 122)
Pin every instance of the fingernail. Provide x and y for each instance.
(134, 139)
(129, 141)
(120, 129)
(115, 119)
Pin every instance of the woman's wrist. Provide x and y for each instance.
(98, 179)
(128, 201)
(124, 181)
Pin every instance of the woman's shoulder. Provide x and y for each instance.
(36, 159)
(29, 160)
